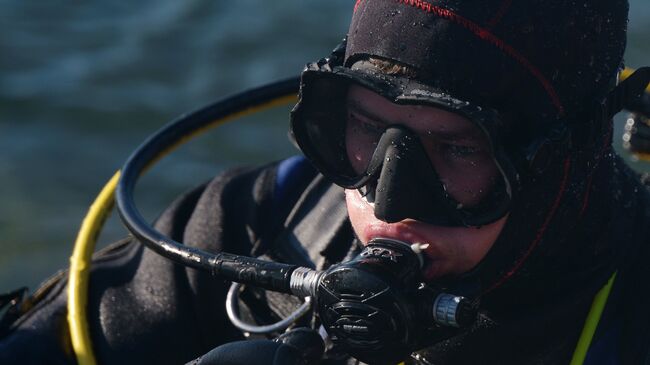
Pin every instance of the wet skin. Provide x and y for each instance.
(458, 152)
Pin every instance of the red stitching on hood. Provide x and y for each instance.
(540, 233)
(606, 147)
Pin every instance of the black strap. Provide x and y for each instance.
(627, 94)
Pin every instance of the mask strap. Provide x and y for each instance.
(335, 58)
(625, 94)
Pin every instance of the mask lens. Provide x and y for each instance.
(362, 134)
(462, 160)
(437, 165)
(320, 127)
(456, 149)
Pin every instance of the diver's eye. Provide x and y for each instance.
(463, 155)
(462, 151)
(365, 125)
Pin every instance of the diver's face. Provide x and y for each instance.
(460, 155)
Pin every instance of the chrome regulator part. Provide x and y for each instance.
(304, 282)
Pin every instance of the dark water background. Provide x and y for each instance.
(83, 83)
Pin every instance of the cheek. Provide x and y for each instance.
(468, 183)
(472, 245)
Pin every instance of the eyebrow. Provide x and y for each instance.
(358, 108)
(462, 134)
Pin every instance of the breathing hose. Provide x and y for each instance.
(174, 134)
(227, 265)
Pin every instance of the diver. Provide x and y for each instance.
(461, 147)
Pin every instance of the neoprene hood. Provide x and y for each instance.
(545, 67)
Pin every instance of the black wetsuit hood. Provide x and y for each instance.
(544, 65)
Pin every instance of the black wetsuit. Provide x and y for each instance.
(145, 309)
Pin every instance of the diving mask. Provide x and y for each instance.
(412, 151)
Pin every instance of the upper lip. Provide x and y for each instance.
(400, 231)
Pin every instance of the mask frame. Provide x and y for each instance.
(324, 87)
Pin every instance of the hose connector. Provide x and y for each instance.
(304, 282)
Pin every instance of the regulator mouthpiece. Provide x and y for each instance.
(375, 307)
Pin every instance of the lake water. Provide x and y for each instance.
(83, 83)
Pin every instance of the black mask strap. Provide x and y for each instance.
(626, 94)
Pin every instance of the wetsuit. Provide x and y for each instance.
(145, 309)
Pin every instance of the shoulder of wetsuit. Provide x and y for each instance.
(623, 333)
(635, 339)
(142, 307)
(38, 321)
(241, 207)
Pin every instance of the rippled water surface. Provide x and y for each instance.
(83, 83)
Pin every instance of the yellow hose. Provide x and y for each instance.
(80, 268)
(643, 156)
(591, 323)
(87, 237)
